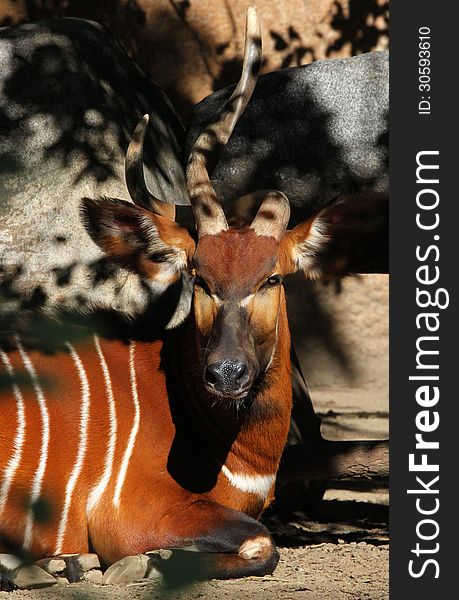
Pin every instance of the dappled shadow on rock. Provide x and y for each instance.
(70, 99)
(314, 133)
(74, 82)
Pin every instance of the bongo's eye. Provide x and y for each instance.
(272, 281)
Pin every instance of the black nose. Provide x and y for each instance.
(226, 376)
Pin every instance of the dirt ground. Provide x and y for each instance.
(320, 572)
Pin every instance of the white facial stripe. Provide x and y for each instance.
(245, 301)
(82, 446)
(99, 489)
(251, 484)
(216, 299)
(15, 459)
(39, 473)
(134, 430)
(275, 342)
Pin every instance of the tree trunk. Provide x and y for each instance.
(329, 460)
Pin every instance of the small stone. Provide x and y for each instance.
(95, 576)
(62, 580)
(31, 577)
(127, 570)
(88, 561)
(52, 565)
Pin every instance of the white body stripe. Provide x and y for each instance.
(82, 446)
(39, 473)
(99, 488)
(252, 484)
(15, 459)
(134, 429)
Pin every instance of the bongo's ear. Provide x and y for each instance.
(341, 237)
(151, 245)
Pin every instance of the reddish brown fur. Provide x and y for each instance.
(122, 242)
(186, 434)
(235, 262)
(175, 492)
(291, 239)
(150, 498)
(251, 445)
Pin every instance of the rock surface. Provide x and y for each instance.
(30, 577)
(127, 570)
(53, 566)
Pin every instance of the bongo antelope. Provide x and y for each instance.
(172, 442)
